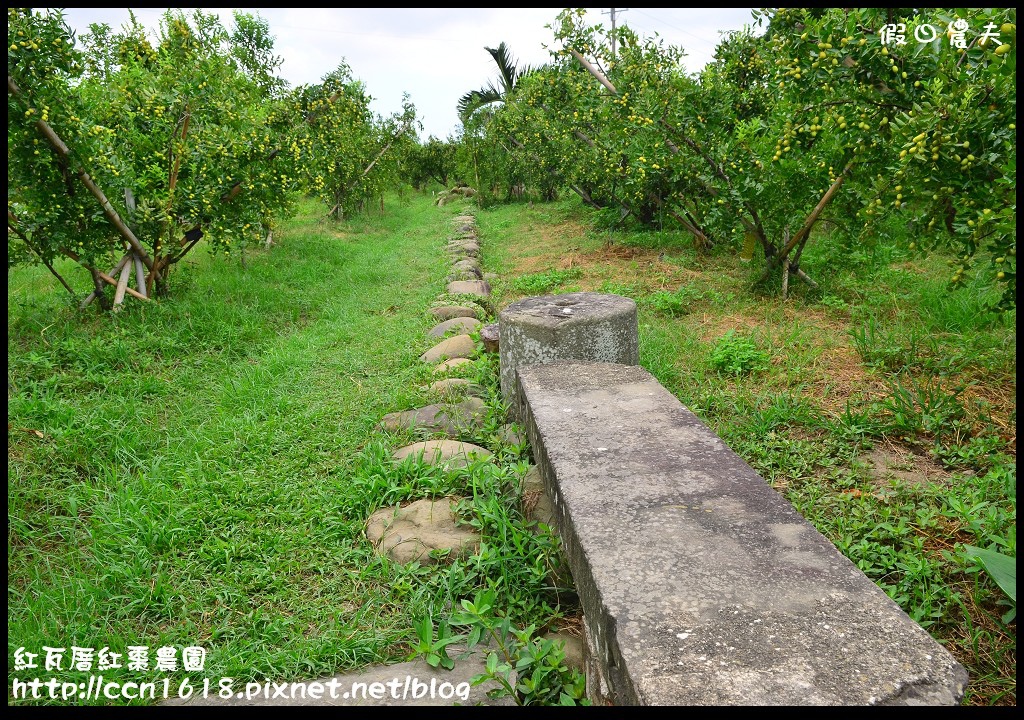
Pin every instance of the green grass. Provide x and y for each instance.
(198, 471)
(881, 359)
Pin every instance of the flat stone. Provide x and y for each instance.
(447, 312)
(451, 419)
(489, 276)
(466, 248)
(467, 263)
(699, 583)
(537, 505)
(589, 326)
(453, 364)
(459, 346)
(470, 287)
(463, 219)
(376, 686)
(463, 325)
(456, 274)
(438, 452)
(468, 266)
(456, 387)
(572, 646)
(414, 532)
(489, 336)
(510, 435)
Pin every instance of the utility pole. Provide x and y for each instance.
(612, 12)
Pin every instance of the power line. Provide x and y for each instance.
(685, 32)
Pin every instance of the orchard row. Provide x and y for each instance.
(194, 137)
(820, 118)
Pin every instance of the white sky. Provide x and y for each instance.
(435, 54)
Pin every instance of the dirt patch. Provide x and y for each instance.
(996, 404)
(545, 248)
(713, 327)
(841, 376)
(641, 269)
(887, 462)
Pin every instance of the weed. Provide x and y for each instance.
(671, 304)
(925, 407)
(543, 282)
(531, 670)
(890, 351)
(737, 355)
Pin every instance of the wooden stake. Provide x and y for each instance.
(803, 276)
(94, 294)
(122, 282)
(140, 275)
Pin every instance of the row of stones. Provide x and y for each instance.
(412, 532)
(415, 531)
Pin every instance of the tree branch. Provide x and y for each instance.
(62, 150)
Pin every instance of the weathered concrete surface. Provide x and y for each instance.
(700, 584)
(586, 326)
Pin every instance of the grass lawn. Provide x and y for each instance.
(198, 471)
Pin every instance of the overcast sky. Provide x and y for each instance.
(435, 54)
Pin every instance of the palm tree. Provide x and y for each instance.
(487, 97)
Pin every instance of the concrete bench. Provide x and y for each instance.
(700, 584)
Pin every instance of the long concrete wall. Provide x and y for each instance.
(700, 584)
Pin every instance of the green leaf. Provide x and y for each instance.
(1002, 568)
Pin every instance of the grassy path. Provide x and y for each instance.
(196, 482)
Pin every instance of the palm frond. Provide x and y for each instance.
(476, 99)
(506, 65)
(490, 95)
